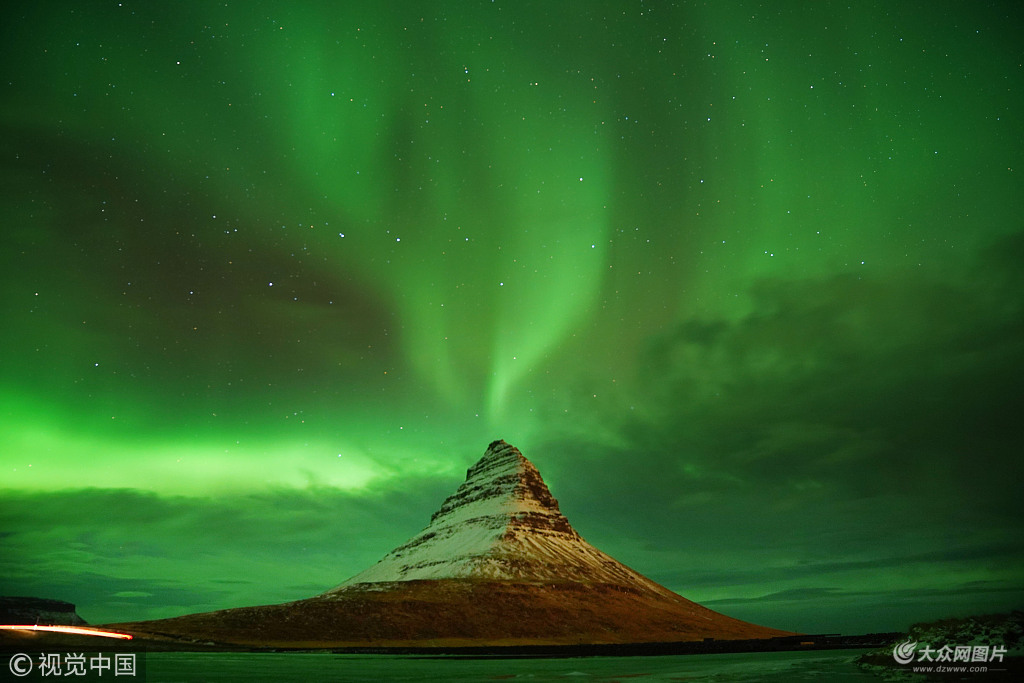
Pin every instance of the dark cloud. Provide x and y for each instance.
(854, 382)
(845, 427)
(820, 594)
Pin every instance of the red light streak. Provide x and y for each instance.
(80, 630)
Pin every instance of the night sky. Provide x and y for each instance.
(742, 279)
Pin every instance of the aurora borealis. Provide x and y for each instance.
(742, 279)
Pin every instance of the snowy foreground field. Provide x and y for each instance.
(831, 665)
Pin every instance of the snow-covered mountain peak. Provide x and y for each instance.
(501, 524)
(498, 565)
(502, 482)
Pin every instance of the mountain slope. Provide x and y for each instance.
(498, 565)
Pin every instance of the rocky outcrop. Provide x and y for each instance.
(17, 610)
(996, 643)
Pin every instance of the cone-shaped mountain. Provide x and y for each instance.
(502, 524)
(499, 564)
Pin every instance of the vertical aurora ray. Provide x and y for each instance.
(551, 268)
(492, 219)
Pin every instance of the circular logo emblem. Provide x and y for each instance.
(903, 653)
